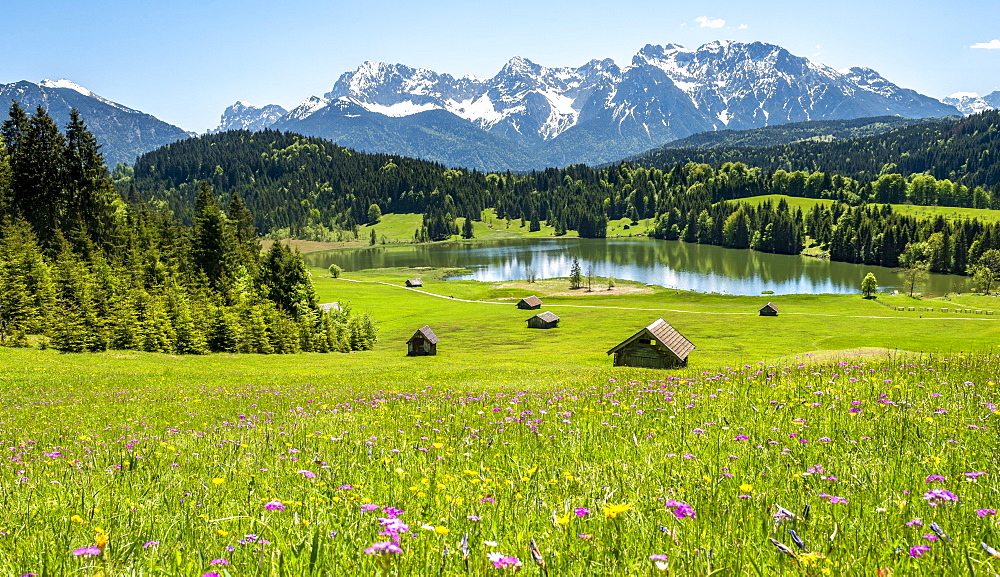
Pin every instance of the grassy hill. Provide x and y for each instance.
(921, 212)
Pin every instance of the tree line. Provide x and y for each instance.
(83, 269)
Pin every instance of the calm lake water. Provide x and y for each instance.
(672, 264)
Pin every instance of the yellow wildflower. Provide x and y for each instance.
(612, 511)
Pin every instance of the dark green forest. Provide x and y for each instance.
(82, 269)
(960, 150)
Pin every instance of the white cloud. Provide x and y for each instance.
(743, 26)
(991, 45)
(707, 22)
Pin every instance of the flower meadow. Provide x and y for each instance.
(869, 466)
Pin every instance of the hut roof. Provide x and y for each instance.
(330, 306)
(771, 306)
(532, 300)
(547, 316)
(414, 282)
(665, 335)
(427, 333)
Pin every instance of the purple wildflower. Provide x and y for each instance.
(392, 512)
(915, 523)
(306, 474)
(383, 547)
(933, 478)
(581, 511)
(222, 562)
(919, 550)
(369, 507)
(935, 497)
(986, 512)
(274, 506)
(149, 544)
(680, 509)
(87, 551)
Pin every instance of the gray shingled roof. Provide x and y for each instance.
(532, 301)
(427, 333)
(415, 282)
(665, 335)
(547, 316)
(773, 306)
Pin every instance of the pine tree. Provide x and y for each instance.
(575, 274)
(91, 196)
(245, 233)
(213, 242)
(39, 177)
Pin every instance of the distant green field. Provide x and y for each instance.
(922, 212)
(726, 329)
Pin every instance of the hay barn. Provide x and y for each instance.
(546, 320)
(414, 282)
(769, 310)
(658, 346)
(529, 303)
(422, 343)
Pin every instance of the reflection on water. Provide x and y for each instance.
(673, 264)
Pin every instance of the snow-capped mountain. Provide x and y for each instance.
(972, 103)
(245, 116)
(599, 112)
(124, 133)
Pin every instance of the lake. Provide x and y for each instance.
(673, 264)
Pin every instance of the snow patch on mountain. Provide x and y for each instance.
(245, 116)
(70, 85)
(972, 103)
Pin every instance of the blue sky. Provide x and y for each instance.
(185, 61)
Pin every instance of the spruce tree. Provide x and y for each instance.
(91, 196)
(213, 241)
(245, 233)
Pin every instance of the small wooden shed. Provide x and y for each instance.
(530, 303)
(769, 310)
(332, 307)
(414, 282)
(546, 320)
(658, 346)
(422, 343)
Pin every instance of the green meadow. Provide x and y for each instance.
(843, 424)
(917, 211)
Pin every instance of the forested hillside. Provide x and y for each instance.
(816, 130)
(960, 150)
(82, 270)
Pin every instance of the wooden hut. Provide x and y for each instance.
(769, 310)
(530, 303)
(423, 342)
(414, 282)
(658, 346)
(332, 307)
(546, 320)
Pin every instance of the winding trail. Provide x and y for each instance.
(752, 314)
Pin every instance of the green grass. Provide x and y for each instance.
(726, 329)
(920, 212)
(506, 433)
